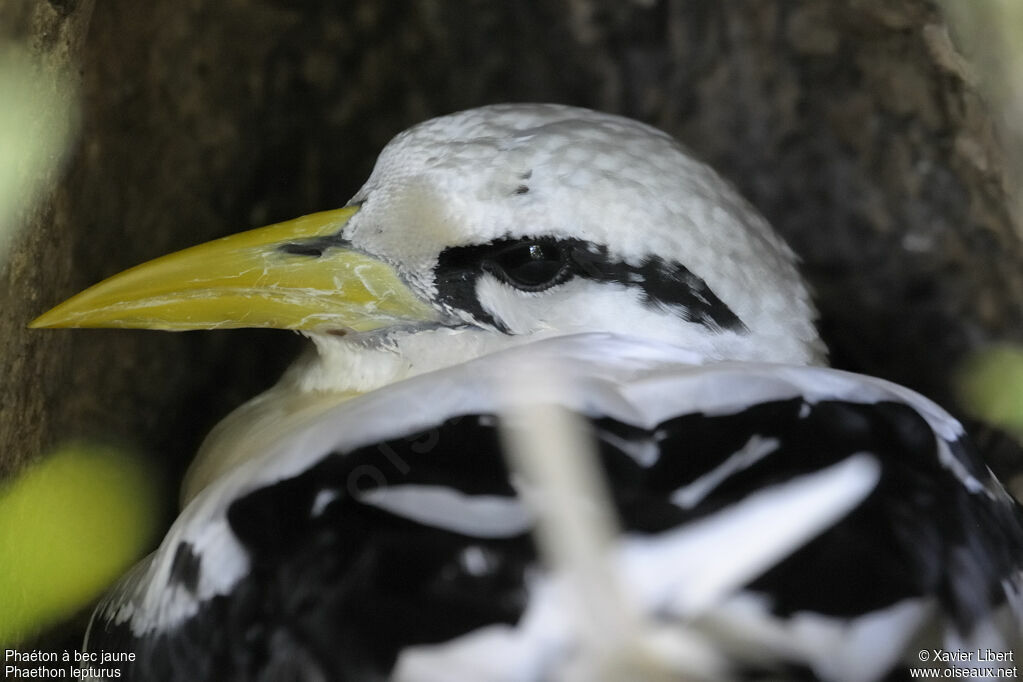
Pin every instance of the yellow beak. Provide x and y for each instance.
(292, 275)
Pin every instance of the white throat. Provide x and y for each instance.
(341, 365)
(335, 369)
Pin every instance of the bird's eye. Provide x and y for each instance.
(529, 265)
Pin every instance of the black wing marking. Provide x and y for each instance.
(338, 587)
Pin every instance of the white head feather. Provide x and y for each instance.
(540, 170)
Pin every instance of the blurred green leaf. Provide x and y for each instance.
(68, 527)
(991, 388)
(38, 115)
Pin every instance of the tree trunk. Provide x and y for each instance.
(852, 124)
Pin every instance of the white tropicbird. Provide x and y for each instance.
(358, 521)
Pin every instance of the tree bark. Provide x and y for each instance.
(852, 124)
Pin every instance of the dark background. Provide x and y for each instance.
(852, 124)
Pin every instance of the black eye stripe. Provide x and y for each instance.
(662, 283)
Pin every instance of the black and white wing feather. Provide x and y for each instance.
(389, 541)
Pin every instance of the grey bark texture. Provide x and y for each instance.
(852, 124)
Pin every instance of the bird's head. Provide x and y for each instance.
(487, 228)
